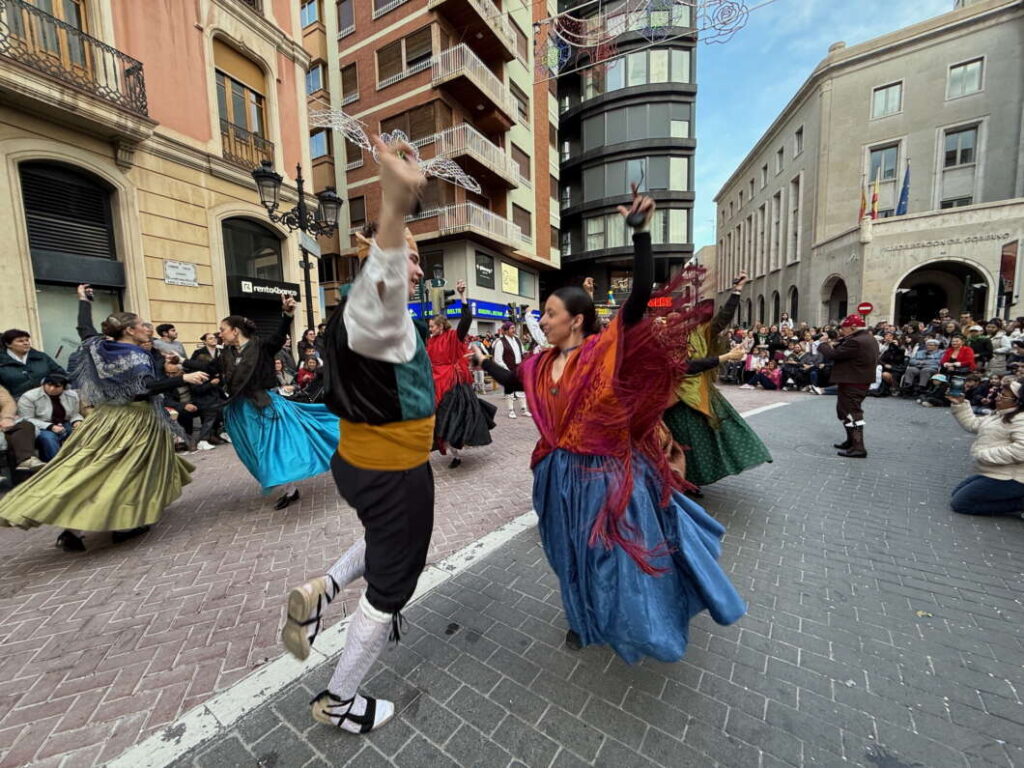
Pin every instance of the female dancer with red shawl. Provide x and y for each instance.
(463, 419)
(635, 558)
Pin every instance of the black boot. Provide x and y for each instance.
(573, 641)
(847, 442)
(287, 499)
(70, 542)
(118, 536)
(856, 449)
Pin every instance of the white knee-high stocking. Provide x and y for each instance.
(366, 637)
(351, 566)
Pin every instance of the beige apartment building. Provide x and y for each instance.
(943, 99)
(457, 77)
(127, 142)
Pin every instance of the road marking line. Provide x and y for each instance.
(220, 713)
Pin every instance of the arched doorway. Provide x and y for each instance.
(760, 310)
(776, 308)
(252, 257)
(750, 312)
(951, 285)
(835, 299)
(794, 303)
(70, 225)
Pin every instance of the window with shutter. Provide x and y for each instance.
(66, 213)
(555, 238)
(346, 18)
(396, 123)
(350, 82)
(389, 61)
(357, 211)
(353, 153)
(521, 218)
(523, 102)
(553, 187)
(522, 44)
(522, 160)
(417, 48)
(421, 122)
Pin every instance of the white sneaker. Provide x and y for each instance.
(31, 462)
(746, 386)
(527, 414)
(202, 445)
(817, 390)
(511, 414)
(224, 436)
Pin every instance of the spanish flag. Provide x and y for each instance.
(874, 200)
(863, 201)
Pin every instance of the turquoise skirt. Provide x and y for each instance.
(284, 442)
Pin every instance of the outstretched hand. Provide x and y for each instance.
(288, 304)
(400, 175)
(642, 204)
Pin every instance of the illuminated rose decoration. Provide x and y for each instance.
(720, 19)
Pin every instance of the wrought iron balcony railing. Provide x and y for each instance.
(39, 41)
(244, 148)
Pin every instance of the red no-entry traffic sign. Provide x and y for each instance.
(865, 308)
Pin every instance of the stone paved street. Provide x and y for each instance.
(883, 632)
(101, 649)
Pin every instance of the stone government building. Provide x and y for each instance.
(127, 139)
(945, 98)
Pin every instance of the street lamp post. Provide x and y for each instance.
(323, 222)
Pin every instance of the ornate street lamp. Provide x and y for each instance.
(322, 222)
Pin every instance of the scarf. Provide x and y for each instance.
(110, 372)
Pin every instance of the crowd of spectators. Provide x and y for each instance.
(921, 361)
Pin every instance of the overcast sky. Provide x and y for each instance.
(745, 83)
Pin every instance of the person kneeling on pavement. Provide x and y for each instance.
(53, 410)
(997, 487)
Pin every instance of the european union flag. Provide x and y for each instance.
(901, 207)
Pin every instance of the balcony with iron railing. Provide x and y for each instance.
(472, 219)
(476, 86)
(243, 147)
(483, 22)
(73, 76)
(480, 156)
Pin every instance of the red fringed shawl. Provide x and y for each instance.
(609, 402)
(448, 358)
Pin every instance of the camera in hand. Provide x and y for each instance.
(956, 386)
(636, 219)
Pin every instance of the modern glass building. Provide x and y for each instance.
(629, 119)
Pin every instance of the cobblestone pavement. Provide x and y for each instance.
(99, 650)
(884, 631)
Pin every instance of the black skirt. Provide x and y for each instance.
(463, 419)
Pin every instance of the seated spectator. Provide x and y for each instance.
(768, 377)
(921, 367)
(285, 380)
(976, 389)
(310, 371)
(53, 410)
(935, 395)
(753, 363)
(894, 364)
(790, 364)
(166, 341)
(307, 344)
(958, 360)
(981, 344)
(997, 487)
(17, 435)
(21, 367)
(1001, 347)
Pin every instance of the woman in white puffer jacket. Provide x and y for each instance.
(998, 486)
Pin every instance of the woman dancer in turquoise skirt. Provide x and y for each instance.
(279, 441)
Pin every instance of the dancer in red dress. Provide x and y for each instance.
(463, 419)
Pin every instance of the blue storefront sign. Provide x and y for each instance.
(482, 310)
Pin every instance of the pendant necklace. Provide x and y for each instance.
(563, 353)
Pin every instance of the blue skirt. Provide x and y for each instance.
(284, 442)
(608, 599)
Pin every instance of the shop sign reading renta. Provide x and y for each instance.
(240, 287)
(865, 308)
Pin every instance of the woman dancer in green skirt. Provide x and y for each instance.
(118, 470)
(719, 440)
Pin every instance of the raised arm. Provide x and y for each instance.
(643, 278)
(533, 326)
(466, 319)
(502, 375)
(276, 340)
(85, 328)
(725, 314)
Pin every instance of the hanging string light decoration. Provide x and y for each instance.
(570, 41)
(355, 131)
(721, 19)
